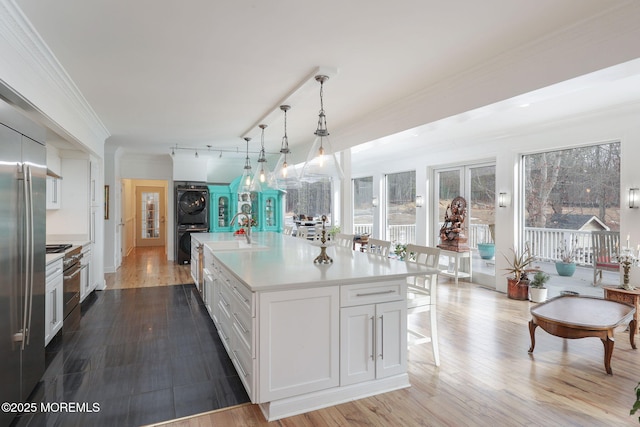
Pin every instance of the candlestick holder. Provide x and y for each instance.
(323, 258)
(626, 260)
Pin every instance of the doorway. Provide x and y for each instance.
(150, 214)
(477, 184)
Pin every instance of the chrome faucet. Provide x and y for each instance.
(247, 234)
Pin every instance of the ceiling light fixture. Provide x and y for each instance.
(284, 176)
(245, 181)
(322, 163)
(262, 172)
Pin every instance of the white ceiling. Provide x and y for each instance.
(201, 72)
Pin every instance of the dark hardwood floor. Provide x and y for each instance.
(142, 355)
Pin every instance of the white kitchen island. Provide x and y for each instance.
(304, 336)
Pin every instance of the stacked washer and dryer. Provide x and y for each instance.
(192, 216)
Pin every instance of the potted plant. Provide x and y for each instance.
(567, 264)
(400, 251)
(518, 284)
(487, 249)
(537, 290)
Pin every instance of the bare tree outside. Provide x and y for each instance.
(584, 180)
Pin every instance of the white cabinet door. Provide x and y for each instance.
(53, 193)
(373, 344)
(358, 344)
(87, 284)
(53, 301)
(299, 342)
(391, 339)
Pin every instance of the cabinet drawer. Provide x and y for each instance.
(368, 293)
(244, 367)
(53, 269)
(244, 296)
(224, 302)
(224, 331)
(243, 328)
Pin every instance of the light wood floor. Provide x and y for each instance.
(486, 376)
(147, 267)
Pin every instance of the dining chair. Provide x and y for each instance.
(377, 247)
(303, 232)
(344, 240)
(287, 230)
(421, 293)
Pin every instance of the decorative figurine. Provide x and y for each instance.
(452, 236)
(323, 258)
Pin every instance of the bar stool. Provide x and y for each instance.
(421, 293)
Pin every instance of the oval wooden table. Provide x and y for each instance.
(581, 317)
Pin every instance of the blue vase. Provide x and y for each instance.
(487, 250)
(565, 268)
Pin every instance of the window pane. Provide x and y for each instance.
(150, 216)
(482, 203)
(362, 205)
(401, 207)
(310, 200)
(568, 194)
(450, 188)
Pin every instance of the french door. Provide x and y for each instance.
(150, 216)
(477, 184)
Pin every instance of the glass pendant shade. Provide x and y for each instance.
(262, 176)
(246, 180)
(322, 162)
(285, 176)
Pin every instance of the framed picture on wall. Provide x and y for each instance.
(106, 202)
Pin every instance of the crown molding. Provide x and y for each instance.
(33, 72)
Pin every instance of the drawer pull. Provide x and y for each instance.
(390, 291)
(242, 371)
(226, 304)
(237, 292)
(224, 336)
(244, 330)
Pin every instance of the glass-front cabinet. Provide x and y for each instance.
(271, 210)
(222, 208)
(265, 207)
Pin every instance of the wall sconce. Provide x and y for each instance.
(374, 201)
(419, 201)
(503, 200)
(634, 198)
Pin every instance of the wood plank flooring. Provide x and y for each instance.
(486, 376)
(148, 267)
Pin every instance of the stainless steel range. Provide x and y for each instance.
(71, 284)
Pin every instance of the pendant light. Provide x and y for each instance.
(261, 177)
(284, 175)
(322, 163)
(246, 179)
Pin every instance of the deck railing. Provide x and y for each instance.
(395, 233)
(545, 243)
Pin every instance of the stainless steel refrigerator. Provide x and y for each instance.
(22, 265)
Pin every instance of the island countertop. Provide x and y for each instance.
(282, 262)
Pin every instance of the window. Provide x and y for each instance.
(568, 194)
(311, 200)
(401, 207)
(363, 205)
